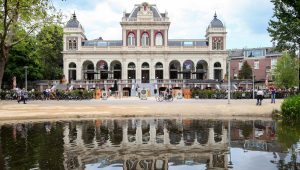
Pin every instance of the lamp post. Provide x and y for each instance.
(253, 87)
(26, 67)
(229, 88)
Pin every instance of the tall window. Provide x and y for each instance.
(217, 43)
(145, 39)
(256, 64)
(72, 44)
(131, 39)
(158, 39)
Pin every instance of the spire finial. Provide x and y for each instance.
(74, 15)
(215, 16)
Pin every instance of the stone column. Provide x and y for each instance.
(79, 71)
(152, 132)
(166, 136)
(79, 141)
(66, 134)
(166, 38)
(138, 38)
(139, 133)
(124, 37)
(138, 70)
(66, 70)
(152, 38)
(224, 136)
(125, 132)
(124, 70)
(166, 69)
(211, 136)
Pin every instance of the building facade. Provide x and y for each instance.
(145, 55)
(262, 61)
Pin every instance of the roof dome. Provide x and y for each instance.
(73, 22)
(216, 23)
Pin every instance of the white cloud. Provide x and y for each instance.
(189, 19)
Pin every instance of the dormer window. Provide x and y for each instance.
(145, 39)
(158, 39)
(131, 39)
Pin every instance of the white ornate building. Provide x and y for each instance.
(145, 55)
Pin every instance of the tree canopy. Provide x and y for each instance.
(15, 15)
(41, 53)
(284, 28)
(286, 71)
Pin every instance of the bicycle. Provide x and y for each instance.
(165, 97)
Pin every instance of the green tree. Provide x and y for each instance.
(23, 54)
(246, 71)
(49, 48)
(28, 15)
(286, 71)
(284, 28)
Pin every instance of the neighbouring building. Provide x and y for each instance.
(262, 61)
(145, 56)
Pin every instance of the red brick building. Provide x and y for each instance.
(261, 60)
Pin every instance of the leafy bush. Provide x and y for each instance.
(291, 108)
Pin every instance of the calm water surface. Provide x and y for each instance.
(149, 143)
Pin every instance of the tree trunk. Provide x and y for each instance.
(2, 67)
(3, 59)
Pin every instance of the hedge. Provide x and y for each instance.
(291, 108)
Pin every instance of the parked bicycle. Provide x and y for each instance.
(163, 96)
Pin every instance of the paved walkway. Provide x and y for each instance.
(11, 110)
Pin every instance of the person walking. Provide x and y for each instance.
(259, 96)
(273, 93)
(24, 96)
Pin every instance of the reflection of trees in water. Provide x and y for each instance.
(218, 131)
(160, 131)
(28, 147)
(288, 136)
(175, 131)
(88, 132)
(102, 134)
(131, 130)
(116, 134)
(72, 132)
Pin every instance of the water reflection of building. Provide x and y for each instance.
(255, 135)
(145, 143)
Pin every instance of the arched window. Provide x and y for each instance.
(145, 39)
(70, 45)
(131, 39)
(158, 39)
(74, 45)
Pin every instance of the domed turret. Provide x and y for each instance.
(216, 23)
(73, 22)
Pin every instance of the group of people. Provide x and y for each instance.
(260, 95)
(22, 95)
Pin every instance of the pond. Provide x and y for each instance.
(149, 143)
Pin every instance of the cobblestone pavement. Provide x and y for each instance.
(206, 108)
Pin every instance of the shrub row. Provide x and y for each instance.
(59, 95)
(215, 94)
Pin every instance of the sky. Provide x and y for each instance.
(246, 21)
